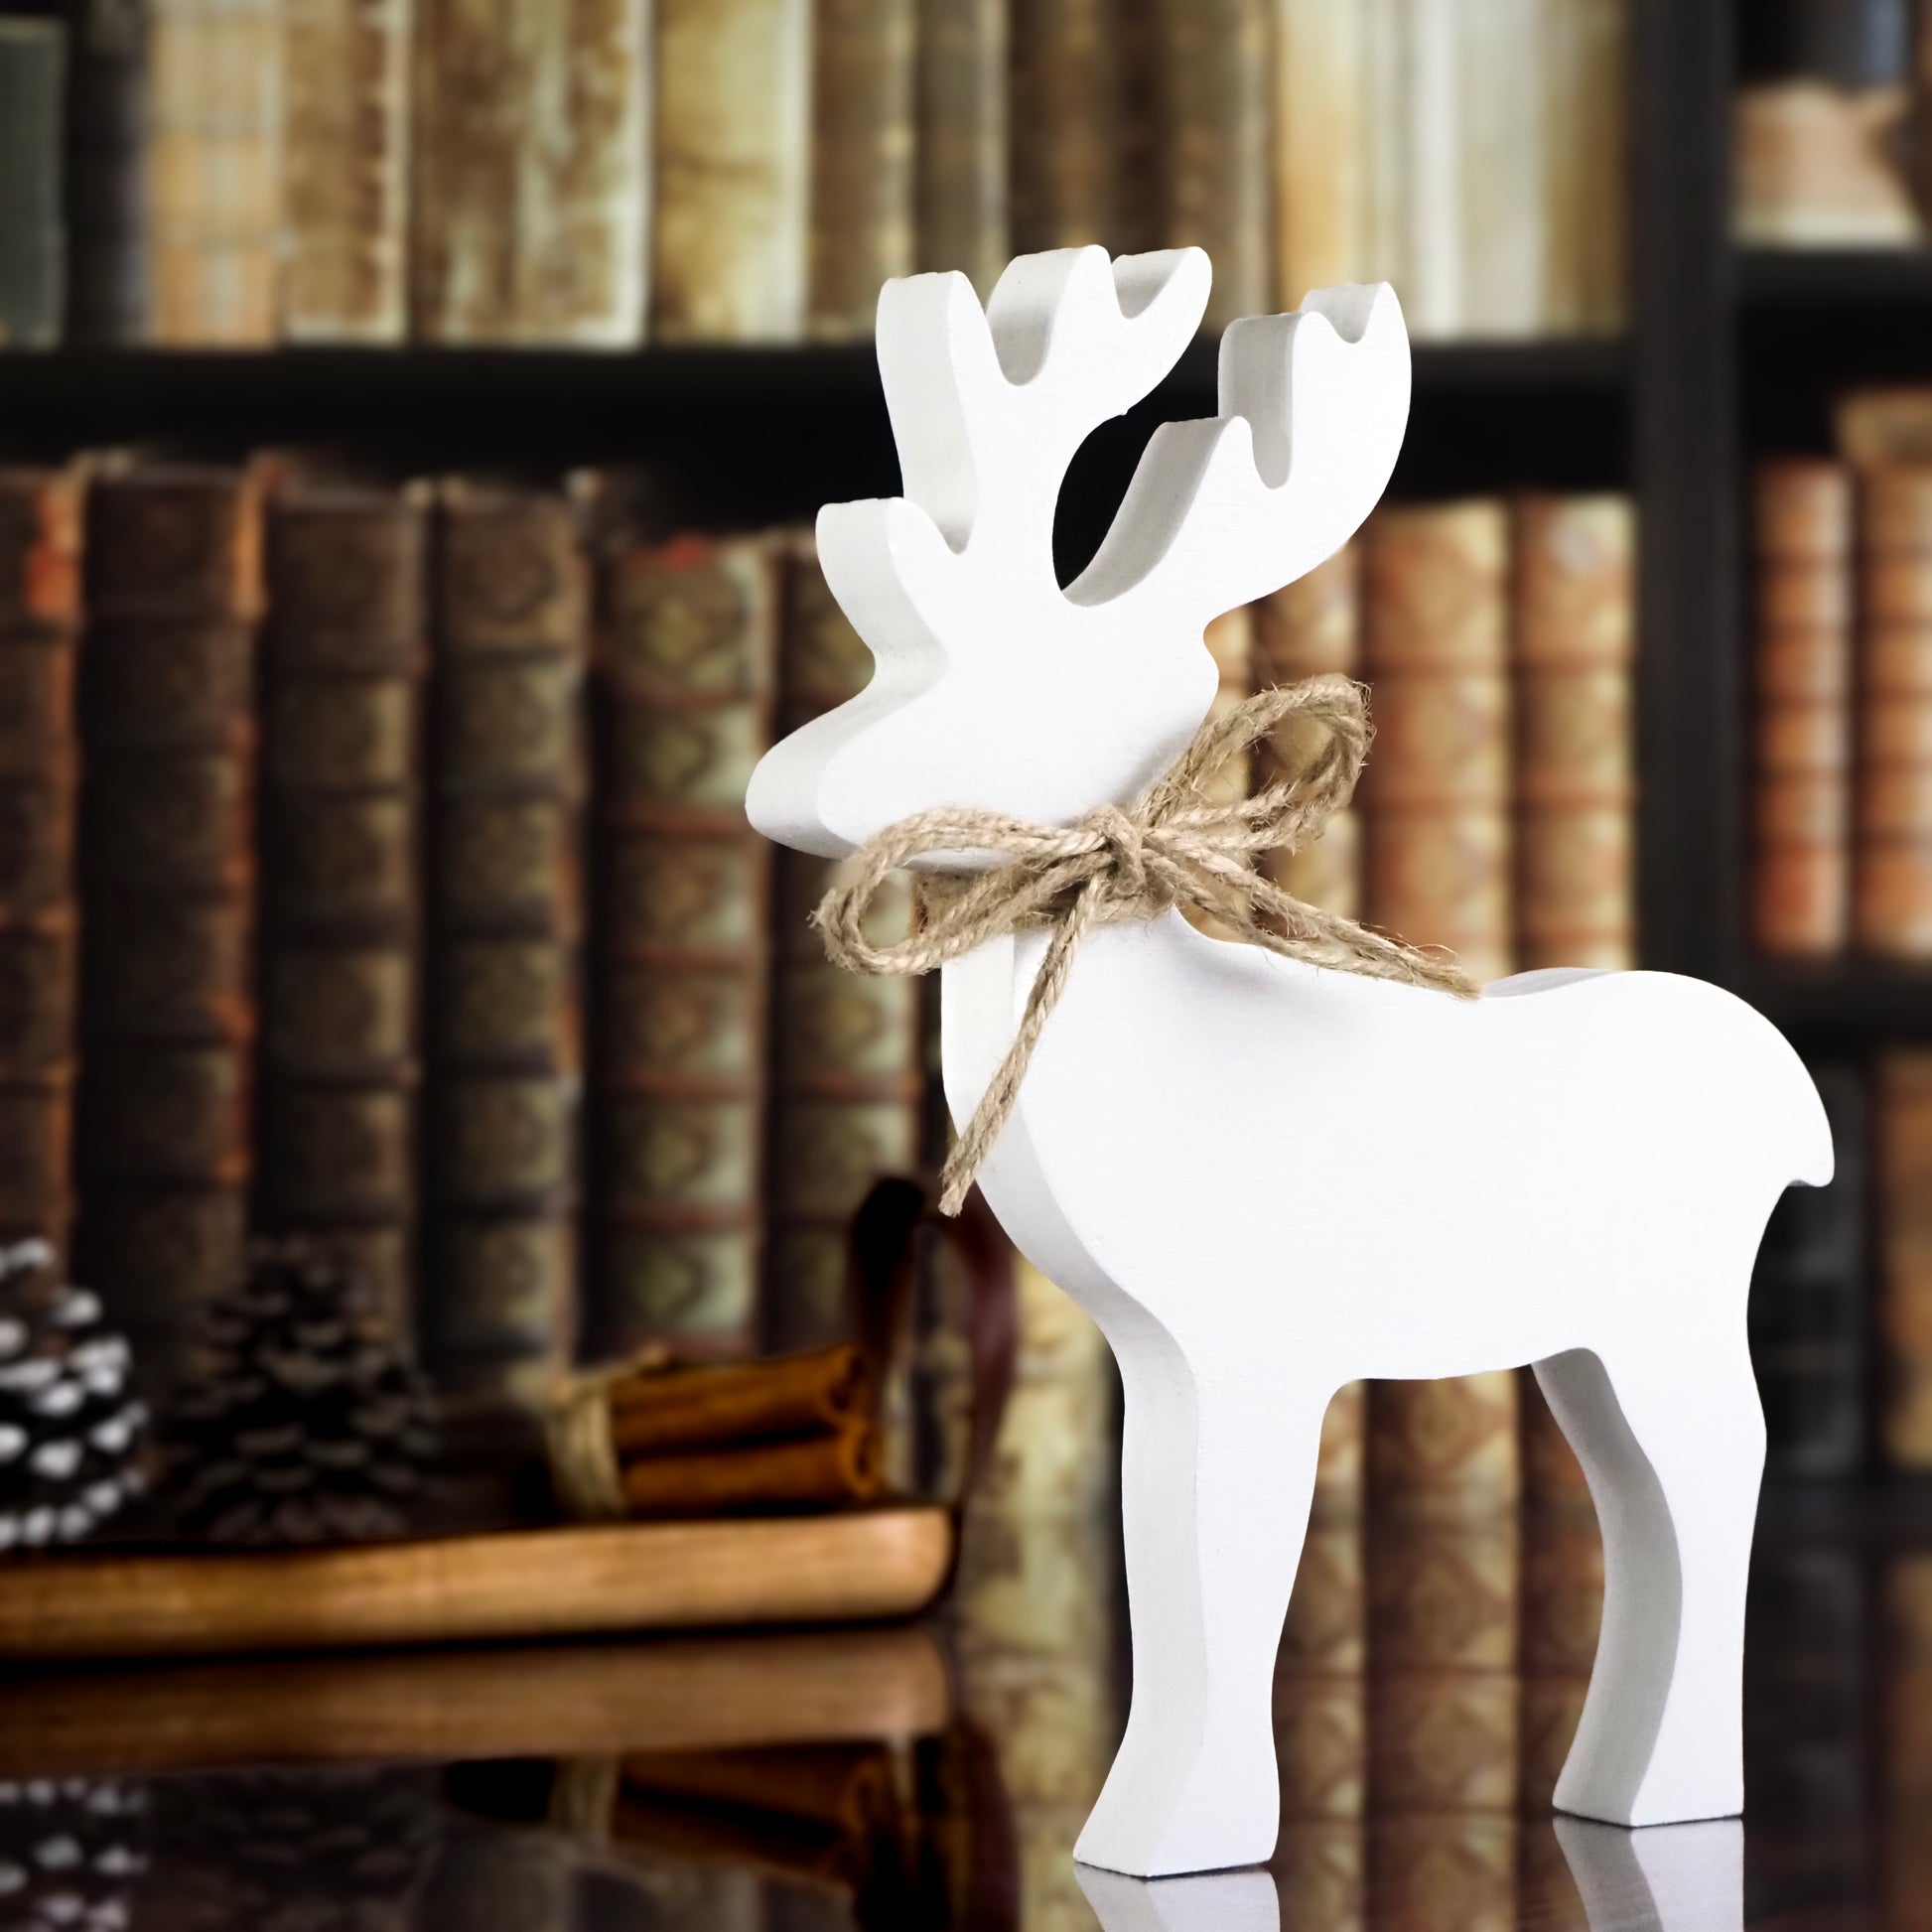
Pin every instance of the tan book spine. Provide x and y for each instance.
(1904, 1325)
(1575, 782)
(1801, 878)
(1424, 200)
(864, 75)
(343, 668)
(1586, 112)
(846, 1059)
(1321, 129)
(214, 172)
(502, 1034)
(730, 233)
(961, 141)
(167, 856)
(346, 170)
(683, 681)
(1502, 166)
(1070, 108)
(1211, 86)
(1436, 793)
(1891, 868)
(530, 173)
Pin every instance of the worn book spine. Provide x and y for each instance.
(345, 171)
(214, 172)
(683, 684)
(108, 282)
(1499, 81)
(509, 624)
(1811, 1302)
(342, 666)
(1585, 76)
(844, 1048)
(1071, 139)
(172, 585)
(731, 214)
(1575, 782)
(960, 143)
(1801, 868)
(1211, 87)
(862, 208)
(40, 621)
(33, 235)
(1385, 140)
(1891, 871)
(530, 173)
(1426, 160)
(1322, 113)
(1903, 1125)
(1436, 793)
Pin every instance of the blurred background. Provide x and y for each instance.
(412, 413)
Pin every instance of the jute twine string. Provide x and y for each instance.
(584, 1465)
(1173, 846)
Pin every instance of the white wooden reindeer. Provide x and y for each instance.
(1264, 1180)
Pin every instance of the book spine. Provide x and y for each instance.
(346, 161)
(1586, 108)
(108, 274)
(1427, 198)
(1211, 81)
(1071, 110)
(845, 1050)
(342, 805)
(686, 663)
(1903, 1330)
(40, 619)
(214, 172)
(1322, 114)
(168, 878)
(502, 1030)
(1436, 793)
(864, 76)
(1499, 77)
(530, 173)
(1801, 876)
(732, 218)
(1892, 880)
(1386, 139)
(1576, 786)
(33, 238)
(960, 149)
(1312, 626)
(1905, 1743)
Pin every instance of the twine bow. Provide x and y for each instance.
(1173, 846)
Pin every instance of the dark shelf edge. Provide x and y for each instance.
(1834, 278)
(1861, 999)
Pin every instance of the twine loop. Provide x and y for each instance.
(1175, 845)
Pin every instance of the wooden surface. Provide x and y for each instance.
(552, 1582)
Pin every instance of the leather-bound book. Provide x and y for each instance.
(107, 296)
(1902, 1123)
(864, 83)
(214, 172)
(844, 1048)
(1312, 627)
(1071, 143)
(1501, 171)
(960, 140)
(33, 81)
(683, 682)
(342, 666)
(167, 877)
(509, 604)
(1801, 861)
(1903, 1699)
(345, 171)
(40, 619)
(731, 210)
(1584, 69)
(530, 173)
(1209, 64)
(1322, 111)
(1891, 868)
(1811, 1301)
(1437, 788)
(1575, 634)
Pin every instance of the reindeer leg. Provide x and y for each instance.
(1671, 1441)
(1217, 1474)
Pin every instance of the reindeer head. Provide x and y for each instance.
(994, 687)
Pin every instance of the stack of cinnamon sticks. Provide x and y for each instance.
(656, 1439)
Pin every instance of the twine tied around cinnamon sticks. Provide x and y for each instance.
(1172, 846)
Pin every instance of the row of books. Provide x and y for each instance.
(247, 172)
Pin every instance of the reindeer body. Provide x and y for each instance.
(1262, 1179)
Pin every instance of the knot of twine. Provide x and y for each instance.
(1173, 846)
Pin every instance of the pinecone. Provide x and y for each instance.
(73, 1438)
(70, 1852)
(303, 1422)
